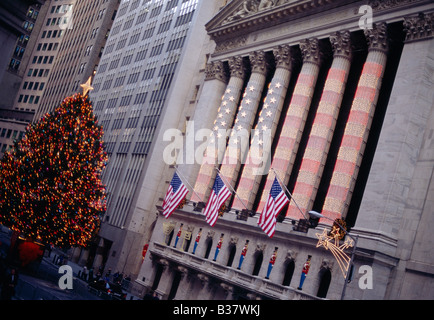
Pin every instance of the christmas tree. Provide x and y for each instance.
(51, 189)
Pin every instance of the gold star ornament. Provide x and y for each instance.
(86, 86)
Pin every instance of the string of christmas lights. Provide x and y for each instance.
(51, 188)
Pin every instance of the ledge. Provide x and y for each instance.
(228, 275)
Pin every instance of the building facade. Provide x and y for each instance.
(337, 96)
(19, 20)
(65, 47)
(84, 27)
(146, 83)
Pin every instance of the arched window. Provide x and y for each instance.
(175, 284)
(208, 247)
(157, 276)
(233, 250)
(169, 237)
(325, 278)
(258, 263)
(289, 271)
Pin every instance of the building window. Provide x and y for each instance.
(258, 263)
(208, 247)
(289, 271)
(232, 251)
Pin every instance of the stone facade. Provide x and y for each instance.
(375, 171)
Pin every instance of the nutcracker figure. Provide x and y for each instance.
(243, 254)
(219, 245)
(178, 235)
(304, 272)
(196, 242)
(271, 263)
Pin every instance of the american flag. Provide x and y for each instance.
(174, 195)
(275, 202)
(219, 194)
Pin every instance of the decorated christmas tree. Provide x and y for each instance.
(51, 190)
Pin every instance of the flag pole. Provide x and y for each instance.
(231, 188)
(176, 169)
(275, 174)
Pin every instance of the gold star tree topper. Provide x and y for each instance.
(86, 86)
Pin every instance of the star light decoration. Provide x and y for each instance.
(223, 115)
(265, 120)
(86, 86)
(330, 241)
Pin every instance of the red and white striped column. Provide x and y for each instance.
(296, 115)
(238, 144)
(216, 80)
(317, 148)
(357, 129)
(260, 149)
(223, 121)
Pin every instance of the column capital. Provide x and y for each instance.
(311, 50)
(259, 62)
(377, 37)
(237, 67)
(283, 56)
(341, 43)
(215, 70)
(419, 27)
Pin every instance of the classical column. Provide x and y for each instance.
(356, 132)
(260, 150)
(295, 118)
(317, 148)
(397, 193)
(210, 97)
(222, 121)
(238, 144)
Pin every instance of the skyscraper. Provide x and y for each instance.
(65, 48)
(19, 20)
(146, 83)
(84, 28)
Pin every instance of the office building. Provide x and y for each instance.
(146, 83)
(65, 47)
(19, 20)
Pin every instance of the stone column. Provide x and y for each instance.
(397, 200)
(295, 119)
(83, 257)
(239, 138)
(182, 292)
(223, 120)
(317, 148)
(205, 112)
(256, 163)
(358, 124)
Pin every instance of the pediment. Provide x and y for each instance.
(240, 17)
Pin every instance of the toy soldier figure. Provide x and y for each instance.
(304, 272)
(219, 245)
(271, 263)
(196, 242)
(243, 254)
(178, 235)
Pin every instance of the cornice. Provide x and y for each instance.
(234, 20)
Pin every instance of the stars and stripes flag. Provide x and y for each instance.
(219, 194)
(174, 195)
(277, 199)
